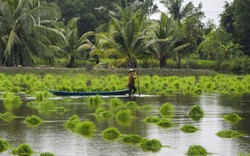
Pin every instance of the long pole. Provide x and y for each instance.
(39, 3)
(138, 80)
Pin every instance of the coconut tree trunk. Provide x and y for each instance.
(71, 63)
(163, 62)
(178, 63)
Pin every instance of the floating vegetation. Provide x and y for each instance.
(189, 128)
(47, 154)
(146, 108)
(132, 105)
(11, 102)
(8, 117)
(164, 123)
(152, 119)
(23, 150)
(123, 117)
(4, 145)
(110, 134)
(229, 134)
(232, 118)
(166, 110)
(132, 139)
(94, 102)
(72, 123)
(197, 150)
(196, 112)
(33, 120)
(86, 128)
(153, 145)
(102, 114)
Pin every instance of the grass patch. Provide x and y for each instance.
(197, 150)
(233, 118)
(111, 134)
(229, 134)
(189, 128)
(196, 112)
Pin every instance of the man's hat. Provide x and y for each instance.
(131, 70)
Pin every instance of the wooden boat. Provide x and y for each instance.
(108, 93)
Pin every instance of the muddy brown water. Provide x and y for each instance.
(52, 137)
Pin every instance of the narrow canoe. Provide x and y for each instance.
(109, 93)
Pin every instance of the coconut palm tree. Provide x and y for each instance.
(22, 39)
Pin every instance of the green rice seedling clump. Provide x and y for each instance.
(102, 114)
(116, 104)
(123, 115)
(197, 150)
(47, 154)
(132, 139)
(153, 145)
(94, 102)
(166, 110)
(232, 118)
(229, 134)
(7, 117)
(111, 134)
(146, 108)
(86, 129)
(46, 107)
(196, 112)
(23, 150)
(33, 120)
(132, 105)
(152, 119)
(164, 123)
(4, 145)
(11, 102)
(189, 128)
(72, 123)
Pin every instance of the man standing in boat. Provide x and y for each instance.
(131, 85)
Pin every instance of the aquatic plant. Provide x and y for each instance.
(33, 120)
(111, 134)
(23, 150)
(166, 110)
(11, 102)
(7, 116)
(86, 128)
(4, 145)
(123, 117)
(229, 134)
(72, 123)
(196, 112)
(164, 123)
(94, 102)
(153, 145)
(152, 119)
(131, 138)
(232, 118)
(189, 128)
(197, 150)
(47, 154)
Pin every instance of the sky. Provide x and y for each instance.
(211, 8)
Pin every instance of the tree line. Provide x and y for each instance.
(45, 31)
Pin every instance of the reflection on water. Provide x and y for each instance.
(52, 137)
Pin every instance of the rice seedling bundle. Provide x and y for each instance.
(11, 101)
(197, 150)
(196, 112)
(46, 106)
(146, 108)
(166, 110)
(116, 104)
(23, 150)
(86, 128)
(153, 145)
(189, 128)
(72, 123)
(164, 123)
(47, 154)
(8, 117)
(111, 134)
(132, 105)
(229, 134)
(4, 145)
(33, 120)
(152, 119)
(123, 116)
(94, 102)
(102, 114)
(232, 118)
(132, 139)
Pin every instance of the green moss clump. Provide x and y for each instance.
(72, 123)
(132, 139)
(111, 134)
(8, 117)
(232, 118)
(189, 128)
(229, 134)
(33, 120)
(86, 128)
(197, 150)
(152, 119)
(166, 110)
(196, 112)
(164, 123)
(47, 154)
(23, 150)
(153, 145)
(4, 145)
